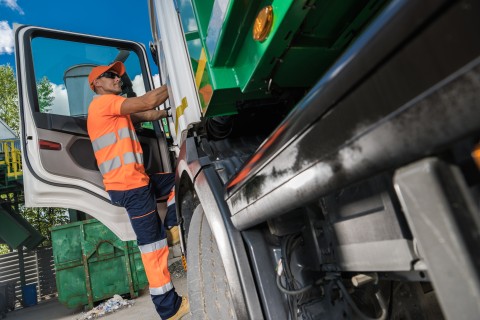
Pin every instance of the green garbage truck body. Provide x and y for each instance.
(257, 50)
(326, 153)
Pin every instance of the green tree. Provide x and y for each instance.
(42, 219)
(8, 98)
(45, 95)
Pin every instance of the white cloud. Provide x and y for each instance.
(138, 85)
(6, 38)
(192, 24)
(12, 4)
(60, 104)
(156, 80)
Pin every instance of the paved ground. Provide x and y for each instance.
(142, 309)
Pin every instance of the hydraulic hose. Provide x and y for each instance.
(353, 305)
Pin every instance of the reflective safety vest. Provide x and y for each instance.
(115, 144)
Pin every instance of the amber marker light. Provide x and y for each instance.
(476, 155)
(263, 24)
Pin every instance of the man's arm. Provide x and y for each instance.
(146, 102)
(149, 115)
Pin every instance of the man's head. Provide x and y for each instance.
(106, 79)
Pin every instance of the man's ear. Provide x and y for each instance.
(96, 84)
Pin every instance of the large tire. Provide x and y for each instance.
(208, 289)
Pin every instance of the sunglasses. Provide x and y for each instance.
(109, 75)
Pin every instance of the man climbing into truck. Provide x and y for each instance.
(119, 157)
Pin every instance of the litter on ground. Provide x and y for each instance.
(111, 305)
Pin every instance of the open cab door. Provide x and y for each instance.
(58, 160)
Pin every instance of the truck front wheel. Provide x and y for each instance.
(208, 288)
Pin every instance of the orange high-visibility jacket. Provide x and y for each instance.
(115, 144)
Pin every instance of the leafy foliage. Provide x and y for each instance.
(8, 98)
(4, 249)
(45, 95)
(42, 219)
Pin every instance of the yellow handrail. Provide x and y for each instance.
(12, 160)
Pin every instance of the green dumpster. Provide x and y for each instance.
(92, 264)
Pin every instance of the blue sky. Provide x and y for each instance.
(123, 19)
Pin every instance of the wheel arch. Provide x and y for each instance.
(197, 183)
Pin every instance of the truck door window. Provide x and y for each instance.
(61, 69)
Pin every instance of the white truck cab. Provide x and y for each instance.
(59, 165)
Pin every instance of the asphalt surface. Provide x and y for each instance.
(142, 308)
